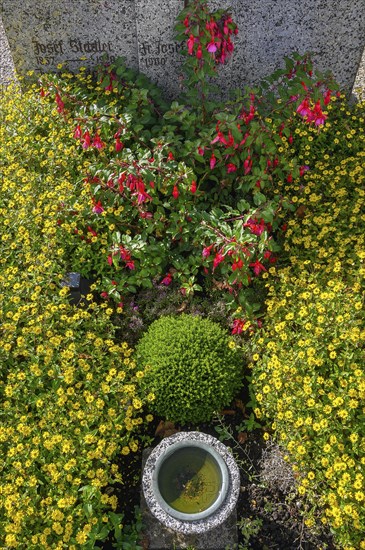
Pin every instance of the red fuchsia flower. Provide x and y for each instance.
(201, 151)
(238, 326)
(120, 304)
(60, 104)
(142, 195)
(98, 208)
(231, 168)
(193, 187)
(256, 227)
(212, 161)
(190, 44)
(303, 169)
(237, 265)
(77, 132)
(206, 251)
(170, 156)
(268, 255)
(121, 180)
(289, 178)
(92, 231)
(86, 140)
(219, 137)
(145, 215)
(257, 267)
(104, 295)
(175, 192)
(218, 258)
(186, 21)
(126, 257)
(199, 52)
(290, 139)
(118, 145)
(247, 165)
(42, 93)
(247, 117)
(327, 97)
(167, 280)
(304, 86)
(97, 142)
(110, 260)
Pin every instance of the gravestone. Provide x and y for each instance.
(76, 33)
(45, 33)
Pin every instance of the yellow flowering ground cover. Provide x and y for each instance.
(68, 389)
(308, 362)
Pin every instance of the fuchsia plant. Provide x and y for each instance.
(188, 199)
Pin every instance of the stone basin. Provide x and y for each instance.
(191, 482)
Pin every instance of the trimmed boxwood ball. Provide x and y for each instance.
(192, 367)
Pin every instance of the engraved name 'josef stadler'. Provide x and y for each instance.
(59, 47)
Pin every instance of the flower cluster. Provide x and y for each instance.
(68, 388)
(210, 32)
(307, 368)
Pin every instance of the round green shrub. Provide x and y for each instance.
(192, 366)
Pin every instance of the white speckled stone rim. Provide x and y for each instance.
(197, 525)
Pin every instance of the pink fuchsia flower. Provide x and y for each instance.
(317, 116)
(142, 195)
(97, 142)
(206, 251)
(256, 227)
(98, 207)
(167, 280)
(201, 151)
(212, 47)
(304, 109)
(86, 140)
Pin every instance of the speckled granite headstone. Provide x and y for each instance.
(42, 34)
(45, 33)
(270, 30)
(158, 52)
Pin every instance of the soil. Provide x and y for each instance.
(270, 512)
